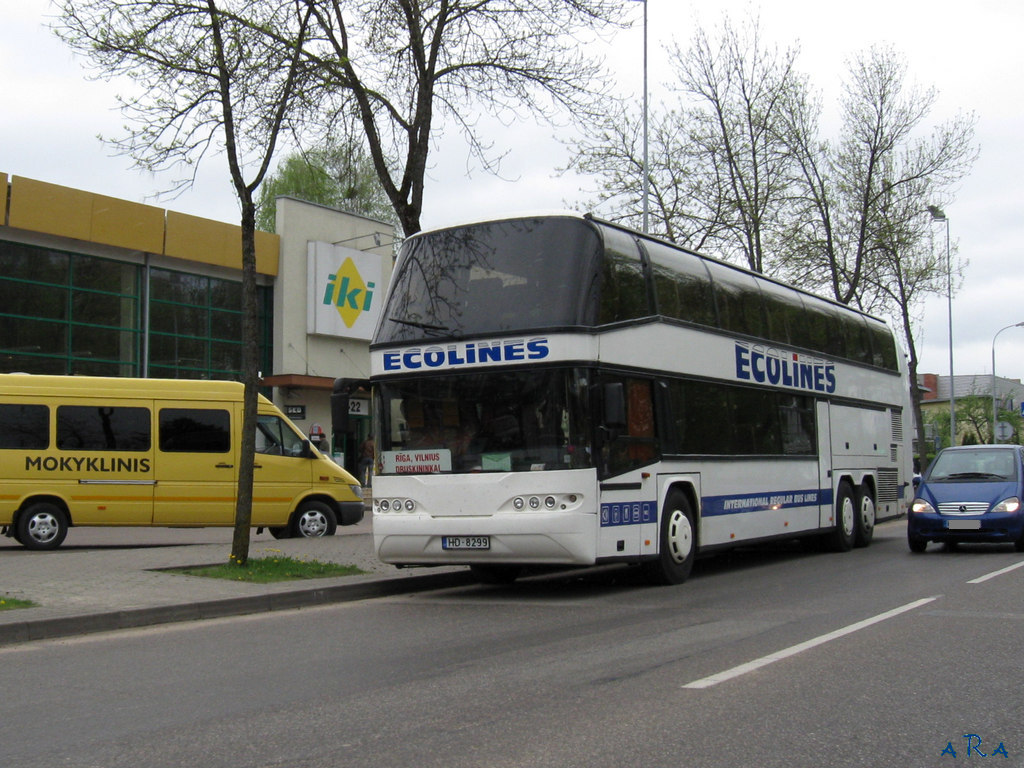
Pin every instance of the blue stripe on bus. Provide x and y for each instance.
(734, 504)
(640, 512)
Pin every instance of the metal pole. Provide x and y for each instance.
(646, 179)
(939, 215)
(949, 301)
(995, 412)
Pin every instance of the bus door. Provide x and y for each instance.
(629, 489)
(826, 509)
(197, 464)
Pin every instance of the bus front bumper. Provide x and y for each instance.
(520, 538)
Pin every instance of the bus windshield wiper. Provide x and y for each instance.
(418, 324)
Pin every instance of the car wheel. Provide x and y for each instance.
(677, 543)
(495, 574)
(917, 545)
(1019, 544)
(313, 520)
(42, 526)
(864, 525)
(842, 537)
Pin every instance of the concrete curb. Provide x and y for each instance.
(66, 626)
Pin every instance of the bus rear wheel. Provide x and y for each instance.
(677, 543)
(864, 525)
(42, 525)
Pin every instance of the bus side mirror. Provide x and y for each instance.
(614, 406)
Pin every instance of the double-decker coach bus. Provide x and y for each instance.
(562, 391)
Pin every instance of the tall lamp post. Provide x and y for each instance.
(646, 180)
(939, 215)
(995, 412)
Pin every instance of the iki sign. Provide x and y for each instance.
(345, 291)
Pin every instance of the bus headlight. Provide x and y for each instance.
(518, 503)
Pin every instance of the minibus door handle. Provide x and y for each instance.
(222, 465)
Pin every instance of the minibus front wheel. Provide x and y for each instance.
(42, 525)
(314, 519)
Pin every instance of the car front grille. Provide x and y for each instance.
(963, 508)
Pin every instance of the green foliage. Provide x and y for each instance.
(335, 176)
(10, 603)
(263, 570)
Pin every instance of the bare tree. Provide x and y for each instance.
(718, 167)
(684, 207)
(205, 82)
(405, 66)
(738, 89)
(844, 188)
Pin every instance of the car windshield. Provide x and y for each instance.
(989, 464)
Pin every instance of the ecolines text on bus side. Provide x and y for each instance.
(787, 369)
(467, 354)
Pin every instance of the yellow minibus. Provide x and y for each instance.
(80, 450)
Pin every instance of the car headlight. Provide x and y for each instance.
(922, 507)
(357, 490)
(1011, 504)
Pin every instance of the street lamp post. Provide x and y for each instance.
(995, 412)
(939, 215)
(646, 180)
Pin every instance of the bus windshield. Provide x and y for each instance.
(493, 278)
(507, 421)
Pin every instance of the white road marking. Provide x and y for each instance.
(1000, 572)
(793, 650)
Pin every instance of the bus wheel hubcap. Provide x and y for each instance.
(680, 536)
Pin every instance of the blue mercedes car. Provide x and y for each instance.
(970, 493)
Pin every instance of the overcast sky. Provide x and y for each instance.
(970, 52)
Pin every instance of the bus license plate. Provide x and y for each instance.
(465, 542)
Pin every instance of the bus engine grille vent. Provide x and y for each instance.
(896, 416)
(888, 486)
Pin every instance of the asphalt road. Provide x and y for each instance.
(771, 657)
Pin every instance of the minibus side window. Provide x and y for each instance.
(24, 427)
(195, 430)
(103, 428)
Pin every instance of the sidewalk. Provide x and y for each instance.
(103, 579)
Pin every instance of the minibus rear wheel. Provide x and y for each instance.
(313, 520)
(42, 525)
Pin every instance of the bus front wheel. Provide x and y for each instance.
(42, 525)
(678, 543)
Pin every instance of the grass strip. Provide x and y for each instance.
(10, 603)
(263, 570)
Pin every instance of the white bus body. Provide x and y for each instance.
(505, 443)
